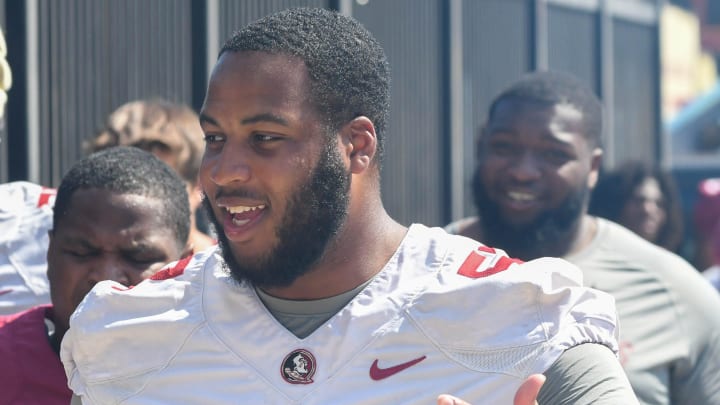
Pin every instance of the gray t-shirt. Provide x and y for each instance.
(669, 316)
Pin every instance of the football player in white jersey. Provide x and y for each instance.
(315, 294)
(119, 216)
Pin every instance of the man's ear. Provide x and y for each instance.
(359, 142)
(595, 163)
(195, 195)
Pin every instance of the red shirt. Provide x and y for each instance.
(30, 371)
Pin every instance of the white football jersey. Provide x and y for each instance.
(445, 315)
(25, 219)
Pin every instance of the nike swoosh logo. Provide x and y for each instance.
(377, 373)
(8, 291)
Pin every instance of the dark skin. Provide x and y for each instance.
(530, 158)
(264, 137)
(104, 236)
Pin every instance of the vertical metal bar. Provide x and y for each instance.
(33, 90)
(345, 7)
(663, 141)
(607, 89)
(199, 70)
(540, 60)
(457, 130)
(212, 34)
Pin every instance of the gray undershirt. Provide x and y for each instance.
(303, 317)
(584, 374)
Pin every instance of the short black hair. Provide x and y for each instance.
(615, 188)
(348, 69)
(129, 170)
(550, 88)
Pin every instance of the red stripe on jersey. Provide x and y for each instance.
(45, 196)
(472, 264)
(486, 249)
(170, 272)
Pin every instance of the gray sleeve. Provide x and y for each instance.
(586, 374)
(699, 383)
(695, 378)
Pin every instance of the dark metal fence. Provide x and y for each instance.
(75, 61)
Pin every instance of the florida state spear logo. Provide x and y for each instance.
(298, 367)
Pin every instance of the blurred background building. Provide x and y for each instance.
(690, 42)
(74, 61)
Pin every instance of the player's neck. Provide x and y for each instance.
(55, 332)
(563, 243)
(471, 228)
(583, 235)
(576, 238)
(359, 251)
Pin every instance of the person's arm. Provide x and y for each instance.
(586, 374)
(699, 383)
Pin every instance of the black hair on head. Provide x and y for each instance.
(615, 188)
(129, 170)
(552, 88)
(348, 69)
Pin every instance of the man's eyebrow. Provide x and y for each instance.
(78, 240)
(263, 117)
(141, 247)
(208, 119)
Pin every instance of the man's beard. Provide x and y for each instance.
(313, 216)
(544, 236)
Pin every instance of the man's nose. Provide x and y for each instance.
(526, 167)
(231, 165)
(109, 269)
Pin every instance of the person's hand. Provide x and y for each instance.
(525, 395)
(528, 392)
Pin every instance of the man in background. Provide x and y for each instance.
(120, 215)
(171, 132)
(538, 158)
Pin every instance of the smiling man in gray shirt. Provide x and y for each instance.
(538, 158)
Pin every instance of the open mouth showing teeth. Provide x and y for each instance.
(242, 209)
(523, 197)
(242, 215)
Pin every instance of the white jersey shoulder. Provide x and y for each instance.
(479, 297)
(170, 301)
(26, 211)
(444, 308)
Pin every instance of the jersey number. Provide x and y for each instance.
(485, 262)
